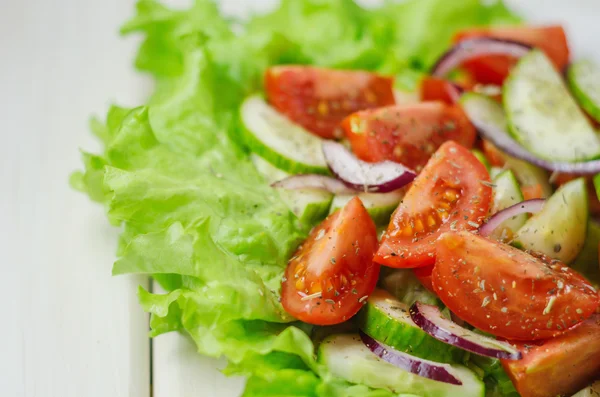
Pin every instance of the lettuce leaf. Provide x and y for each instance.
(194, 212)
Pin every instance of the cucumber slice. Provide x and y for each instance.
(527, 174)
(309, 205)
(379, 205)
(495, 171)
(406, 287)
(387, 320)
(584, 80)
(507, 192)
(270, 173)
(591, 391)
(497, 382)
(346, 357)
(558, 230)
(482, 159)
(542, 114)
(280, 141)
(586, 262)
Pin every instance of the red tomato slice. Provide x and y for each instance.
(319, 98)
(508, 292)
(560, 366)
(437, 89)
(330, 276)
(494, 69)
(408, 134)
(452, 193)
(424, 274)
(493, 154)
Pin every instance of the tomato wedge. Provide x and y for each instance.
(437, 89)
(560, 366)
(408, 134)
(424, 274)
(330, 276)
(494, 69)
(319, 99)
(507, 292)
(452, 193)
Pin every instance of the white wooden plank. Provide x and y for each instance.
(72, 329)
(178, 370)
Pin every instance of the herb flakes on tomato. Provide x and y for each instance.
(332, 273)
(319, 98)
(508, 292)
(453, 192)
(407, 134)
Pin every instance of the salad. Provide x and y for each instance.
(342, 201)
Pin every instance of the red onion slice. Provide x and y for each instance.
(527, 206)
(310, 181)
(417, 366)
(475, 48)
(382, 177)
(490, 129)
(429, 319)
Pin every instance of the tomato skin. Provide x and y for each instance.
(408, 134)
(493, 154)
(507, 292)
(335, 260)
(447, 195)
(437, 89)
(493, 69)
(319, 98)
(559, 366)
(424, 274)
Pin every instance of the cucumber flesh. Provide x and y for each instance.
(406, 287)
(584, 79)
(586, 262)
(527, 174)
(387, 320)
(309, 205)
(280, 141)
(542, 114)
(507, 192)
(269, 172)
(346, 357)
(559, 229)
(379, 205)
(495, 171)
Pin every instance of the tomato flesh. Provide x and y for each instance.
(424, 274)
(437, 89)
(560, 366)
(408, 134)
(452, 193)
(332, 273)
(493, 69)
(319, 98)
(508, 292)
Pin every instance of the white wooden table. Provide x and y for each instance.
(68, 328)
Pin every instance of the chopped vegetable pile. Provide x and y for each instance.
(376, 202)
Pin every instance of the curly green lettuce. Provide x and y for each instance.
(176, 177)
